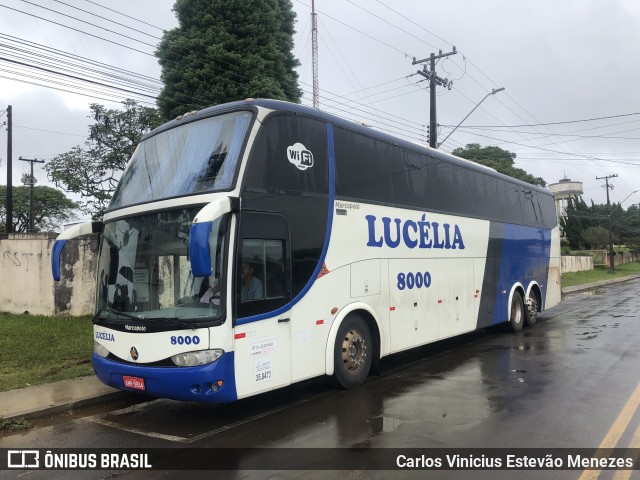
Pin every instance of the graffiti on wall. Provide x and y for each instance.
(18, 259)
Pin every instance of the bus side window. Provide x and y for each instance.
(262, 277)
(262, 269)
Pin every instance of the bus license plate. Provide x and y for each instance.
(133, 382)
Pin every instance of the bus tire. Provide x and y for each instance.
(516, 312)
(352, 352)
(531, 310)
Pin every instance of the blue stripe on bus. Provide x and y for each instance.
(526, 252)
(56, 252)
(177, 383)
(325, 247)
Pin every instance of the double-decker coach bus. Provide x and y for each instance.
(259, 243)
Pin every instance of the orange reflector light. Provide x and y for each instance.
(334, 310)
(220, 383)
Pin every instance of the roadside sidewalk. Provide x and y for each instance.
(591, 286)
(55, 398)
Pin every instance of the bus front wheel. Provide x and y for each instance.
(352, 353)
(516, 312)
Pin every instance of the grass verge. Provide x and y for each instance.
(35, 349)
(14, 424)
(599, 273)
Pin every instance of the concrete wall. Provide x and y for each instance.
(621, 258)
(596, 258)
(601, 257)
(26, 283)
(575, 263)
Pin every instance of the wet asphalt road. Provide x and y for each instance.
(560, 384)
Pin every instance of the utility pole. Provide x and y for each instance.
(9, 221)
(31, 181)
(433, 81)
(612, 268)
(314, 54)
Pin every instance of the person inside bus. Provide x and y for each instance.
(212, 293)
(251, 287)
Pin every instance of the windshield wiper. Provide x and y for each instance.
(182, 323)
(116, 311)
(176, 320)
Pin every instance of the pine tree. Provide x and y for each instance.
(226, 50)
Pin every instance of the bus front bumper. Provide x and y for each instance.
(197, 384)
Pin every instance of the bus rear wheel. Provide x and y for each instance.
(516, 312)
(531, 310)
(352, 353)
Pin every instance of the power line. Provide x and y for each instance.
(75, 77)
(550, 123)
(605, 136)
(89, 23)
(124, 15)
(392, 24)
(356, 30)
(107, 19)
(49, 131)
(581, 157)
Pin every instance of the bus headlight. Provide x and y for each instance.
(193, 359)
(100, 350)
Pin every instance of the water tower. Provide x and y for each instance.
(563, 191)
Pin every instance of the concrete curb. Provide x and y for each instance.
(58, 409)
(55, 398)
(591, 286)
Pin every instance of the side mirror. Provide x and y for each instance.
(68, 234)
(199, 250)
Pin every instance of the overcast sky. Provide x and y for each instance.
(559, 61)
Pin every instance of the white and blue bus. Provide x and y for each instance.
(260, 243)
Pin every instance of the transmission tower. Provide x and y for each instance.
(314, 54)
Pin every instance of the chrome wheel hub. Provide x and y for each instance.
(354, 350)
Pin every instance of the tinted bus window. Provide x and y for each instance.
(413, 176)
(454, 194)
(290, 153)
(547, 205)
(509, 202)
(531, 214)
(362, 167)
(485, 195)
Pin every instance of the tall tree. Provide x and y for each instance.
(499, 159)
(51, 208)
(93, 171)
(226, 50)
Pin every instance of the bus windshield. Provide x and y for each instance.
(145, 274)
(196, 157)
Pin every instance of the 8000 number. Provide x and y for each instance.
(414, 280)
(186, 340)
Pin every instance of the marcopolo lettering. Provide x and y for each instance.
(421, 234)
